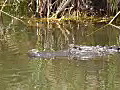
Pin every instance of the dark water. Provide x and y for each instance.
(19, 72)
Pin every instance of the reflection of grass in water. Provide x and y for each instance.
(111, 74)
(12, 11)
(97, 30)
(49, 37)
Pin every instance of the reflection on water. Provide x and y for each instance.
(19, 72)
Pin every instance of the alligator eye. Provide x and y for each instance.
(80, 49)
(75, 47)
(118, 48)
(110, 47)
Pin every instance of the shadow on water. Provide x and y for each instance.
(18, 71)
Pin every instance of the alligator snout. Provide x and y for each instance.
(33, 52)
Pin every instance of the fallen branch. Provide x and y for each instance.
(114, 17)
(115, 26)
(110, 23)
(97, 30)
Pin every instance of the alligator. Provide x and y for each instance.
(75, 51)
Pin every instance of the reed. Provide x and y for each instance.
(59, 8)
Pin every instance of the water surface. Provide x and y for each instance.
(20, 72)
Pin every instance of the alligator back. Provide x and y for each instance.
(81, 52)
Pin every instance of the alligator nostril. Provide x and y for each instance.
(110, 47)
